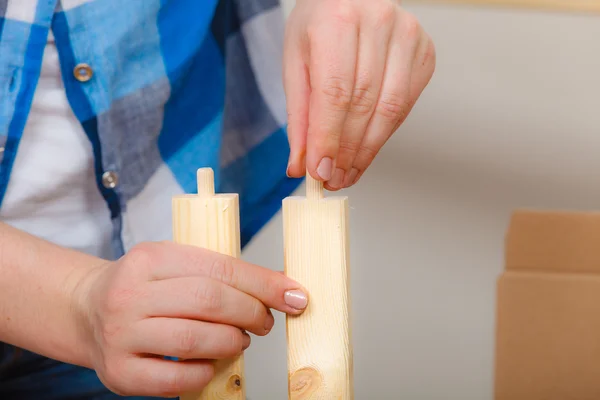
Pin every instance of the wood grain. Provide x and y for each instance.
(320, 357)
(211, 221)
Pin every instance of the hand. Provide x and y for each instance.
(353, 70)
(164, 299)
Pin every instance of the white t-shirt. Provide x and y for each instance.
(52, 192)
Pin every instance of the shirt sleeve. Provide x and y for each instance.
(255, 145)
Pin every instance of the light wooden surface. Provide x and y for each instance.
(320, 358)
(211, 221)
(559, 5)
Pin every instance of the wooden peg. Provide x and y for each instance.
(211, 221)
(320, 357)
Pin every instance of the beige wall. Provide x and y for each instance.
(511, 119)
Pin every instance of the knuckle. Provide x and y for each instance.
(385, 14)
(234, 342)
(364, 157)
(337, 93)
(430, 56)
(209, 296)
(142, 256)
(141, 253)
(411, 26)
(186, 342)
(341, 14)
(173, 384)
(266, 287)
(363, 98)
(393, 106)
(344, 12)
(329, 138)
(349, 146)
(344, 162)
(222, 270)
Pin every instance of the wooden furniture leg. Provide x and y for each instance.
(320, 360)
(211, 221)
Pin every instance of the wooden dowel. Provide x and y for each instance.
(211, 221)
(320, 357)
(314, 188)
(206, 182)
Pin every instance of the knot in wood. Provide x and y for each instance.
(234, 384)
(304, 383)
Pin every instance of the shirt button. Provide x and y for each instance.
(110, 179)
(83, 72)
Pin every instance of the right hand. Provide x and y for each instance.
(164, 299)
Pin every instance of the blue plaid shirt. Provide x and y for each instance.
(161, 88)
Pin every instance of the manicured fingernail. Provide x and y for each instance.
(296, 299)
(270, 321)
(351, 177)
(246, 342)
(287, 170)
(325, 168)
(338, 179)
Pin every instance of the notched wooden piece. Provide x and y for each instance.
(211, 221)
(320, 361)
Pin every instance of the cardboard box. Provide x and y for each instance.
(548, 308)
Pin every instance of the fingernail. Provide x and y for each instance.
(269, 323)
(351, 177)
(325, 168)
(246, 342)
(296, 299)
(338, 179)
(287, 170)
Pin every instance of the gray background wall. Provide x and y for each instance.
(511, 119)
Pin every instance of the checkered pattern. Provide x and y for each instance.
(177, 85)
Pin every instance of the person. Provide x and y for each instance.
(108, 108)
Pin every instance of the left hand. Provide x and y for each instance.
(353, 70)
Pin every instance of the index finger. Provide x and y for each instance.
(333, 57)
(272, 288)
